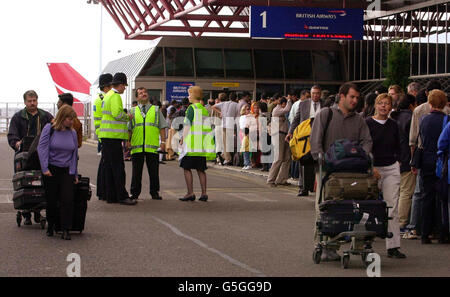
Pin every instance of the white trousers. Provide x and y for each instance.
(389, 184)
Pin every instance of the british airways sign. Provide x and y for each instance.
(308, 23)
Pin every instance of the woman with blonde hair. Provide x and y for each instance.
(58, 154)
(198, 143)
(386, 153)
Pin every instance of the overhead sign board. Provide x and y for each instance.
(176, 90)
(306, 23)
(225, 85)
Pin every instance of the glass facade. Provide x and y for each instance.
(238, 64)
(298, 64)
(155, 65)
(327, 66)
(268, 64)
(209, 63)
(179, 61)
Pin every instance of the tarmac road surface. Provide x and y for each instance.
(246, 229)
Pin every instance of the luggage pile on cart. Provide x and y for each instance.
(349, 204)
(28, 184)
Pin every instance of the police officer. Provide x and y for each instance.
(147, 127)
(104, 84)
(113, 130)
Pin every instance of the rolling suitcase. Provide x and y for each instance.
(82, 193)
(29, 198)
(27, 179)
(357, 186)
(341, 216)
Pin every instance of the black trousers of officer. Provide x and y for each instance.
(59, 191)
(114, 170)
(101, 179)
(152, 161)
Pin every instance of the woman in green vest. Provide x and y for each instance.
(198, 143)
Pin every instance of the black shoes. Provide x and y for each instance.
(203, 198)
(66, 235)
(395, 253)
(189, 198)
(128, 201)
(156, 196)
(303, 193)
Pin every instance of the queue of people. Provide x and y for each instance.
(405, 133)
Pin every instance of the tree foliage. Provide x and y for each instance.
(398, 64)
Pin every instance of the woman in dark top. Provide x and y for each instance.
(58, 152)
(403, 116)
(429, 131)
(386, 153)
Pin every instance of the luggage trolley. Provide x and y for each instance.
(357, 235)
(29, 195)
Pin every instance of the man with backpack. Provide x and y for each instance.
(307, 109)
(342, 123)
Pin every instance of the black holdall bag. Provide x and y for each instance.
(20, 161)
(29, 198)
(346, 156)
(27, 179)
(338, 216)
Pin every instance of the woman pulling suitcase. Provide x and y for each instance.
(58, 151)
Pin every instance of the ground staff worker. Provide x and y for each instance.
(198, 143)
(113, 130)
(147, 127)
(104, 82)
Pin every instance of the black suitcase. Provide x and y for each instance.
(20, 161)
(79, 216)
(26, 199)
(341, 216)
(27, 179)
(83, 188)
(82, 193)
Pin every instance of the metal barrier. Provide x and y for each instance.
(8, 109)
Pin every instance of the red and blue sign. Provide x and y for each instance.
(306, 22)
(176, 90)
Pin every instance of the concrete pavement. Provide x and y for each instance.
(245, 229)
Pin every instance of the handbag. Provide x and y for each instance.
(416, 160)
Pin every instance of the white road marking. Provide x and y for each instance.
(213, 250)
(250, 197)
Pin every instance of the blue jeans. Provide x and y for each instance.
(247, 161)
(416, 206)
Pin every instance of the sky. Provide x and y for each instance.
(34, 32)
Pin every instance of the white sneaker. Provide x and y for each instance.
(99, 154)
(246, 167)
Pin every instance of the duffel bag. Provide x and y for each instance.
(346, 156)
(348, 186)
(27, 179)
(342, 216)
(26, 199)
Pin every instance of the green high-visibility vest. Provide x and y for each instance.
(114, 120)
(98, 112)
(145, 137)
(200, 139)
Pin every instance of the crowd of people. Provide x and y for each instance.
(406, 132)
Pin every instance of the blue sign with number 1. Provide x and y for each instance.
(306, 22)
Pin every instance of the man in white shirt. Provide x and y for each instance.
(304, 95)
(228, 111)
